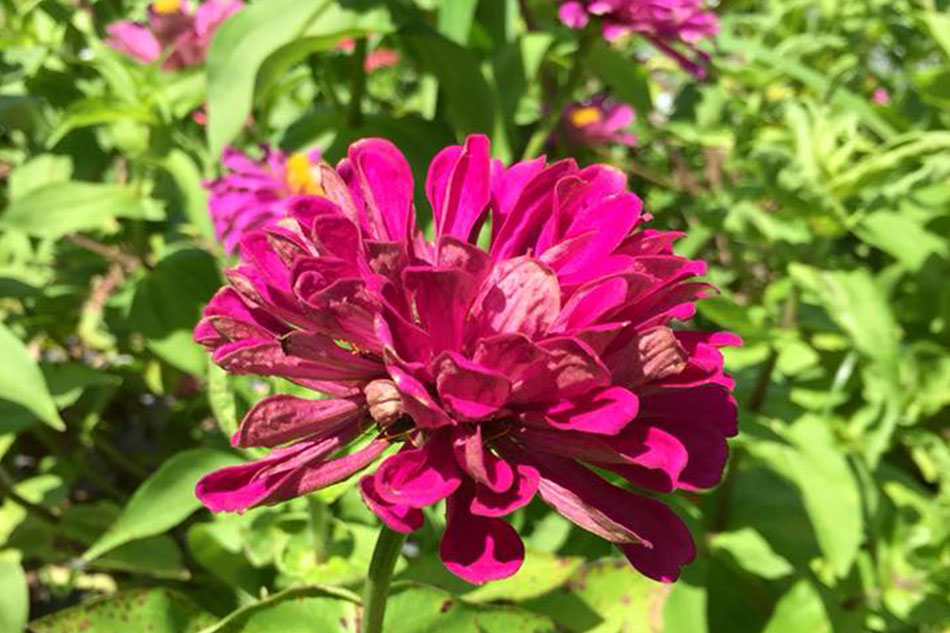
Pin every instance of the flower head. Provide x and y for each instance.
(670, 25)
(481, 377)
(255, 193)
(599, 121)
(173, 32)
(881, 96)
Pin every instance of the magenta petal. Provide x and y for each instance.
(519, 295)
(468, 390)
(486, 468)
(491, 503)
(281, 418)
(606, 412)
(399, 517)
(441, 297)
(419, 477)
(134, 40)
(478, 549)
(459, 187)
(382, 176)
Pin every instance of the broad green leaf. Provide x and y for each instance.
(455, 19)
(217, 546)
(168, 302)
(239, 48)
(605, 596)
(21, 380)
(151, 610)
(752, 552)
(627, 79)
(540, 573)
(62, 208)
(939, 24)
(811, 460)
(14, 594)
(420, 609)
(164, 500)
(38, 172)
(469, 98)
(300, 610)
(800, 610)
(97, 112)
(901, 237)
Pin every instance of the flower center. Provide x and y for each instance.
(165, 7)
(300, 176)
(583, 117)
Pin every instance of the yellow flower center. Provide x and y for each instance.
(585, 116)
(165, 7)
(300, 176)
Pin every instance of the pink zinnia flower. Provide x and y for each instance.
(487, 376)
(598, 122)
(255, 193)
(881, 96)
(667, 24)
(172, 32)
(381, 58)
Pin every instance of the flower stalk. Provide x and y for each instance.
(376, 590)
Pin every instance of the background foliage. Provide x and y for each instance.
(824, 216)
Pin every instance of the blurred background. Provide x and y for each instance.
(810, 167)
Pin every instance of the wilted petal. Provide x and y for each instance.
(519, 295)
(281, 418)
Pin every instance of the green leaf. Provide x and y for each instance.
(541, 572)
(455, 19)
(152, 610)
(627, 79)
(97, 112)
(37, 172)
(164, 500)
(901, 237)
(829, 491)
(168, 302)
(420, 609)
(299, 610)
(752, 552)
(14, 594)
(939, 24)
(607, 595)
(194, 197)
(62, 208)
(222, 401)
(470, 100)
(239, 48)
(21, 380)
(800, 609)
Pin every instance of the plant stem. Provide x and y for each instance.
(357, 83)
(553, 115)
(376, 591)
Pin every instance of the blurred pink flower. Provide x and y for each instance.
(670, 25)
(489, 377)
(598, 122)
(881, 96)
(381, 58)
(172, 32)
(254, 193)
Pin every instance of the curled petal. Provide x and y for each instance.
(398, 517)
(519, 295)
(459, 187)
(468, 390)
(418, 477)
(606, 412)
(491, 503)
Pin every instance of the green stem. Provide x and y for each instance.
(357, 83)
(376, 591)
(553, 115)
